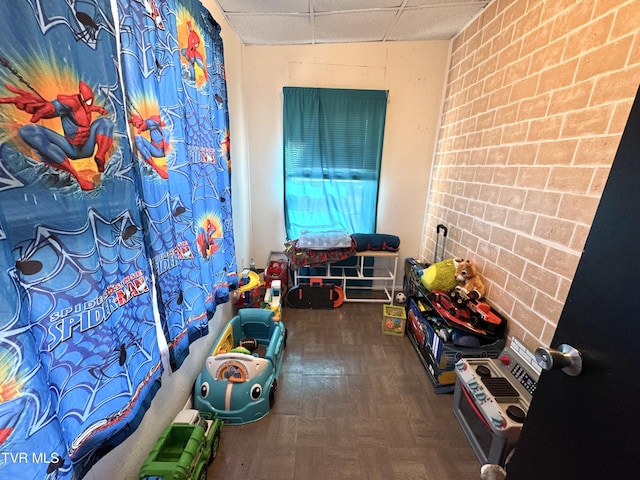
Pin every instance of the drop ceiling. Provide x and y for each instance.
(296, 22)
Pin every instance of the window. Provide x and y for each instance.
(332, 152)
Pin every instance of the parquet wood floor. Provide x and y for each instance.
(352, 403)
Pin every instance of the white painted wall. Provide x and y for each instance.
(414, 74)
(124, 462)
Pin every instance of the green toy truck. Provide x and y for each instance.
(185, 449)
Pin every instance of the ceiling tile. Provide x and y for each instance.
(337, 5)
(272, 29)
(282, 22)
(431, 23)
(262, 6)
(367, 26)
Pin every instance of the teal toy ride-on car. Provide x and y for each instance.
(236, 384)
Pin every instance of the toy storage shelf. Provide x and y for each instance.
(436, 355)
(381, 271)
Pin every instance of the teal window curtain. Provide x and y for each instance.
(332, 153)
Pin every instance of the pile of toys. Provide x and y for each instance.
(456, 291)
(448, 317)
(238, 381)
(263, 288)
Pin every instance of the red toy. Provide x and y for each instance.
(276, 270)
(462, 312)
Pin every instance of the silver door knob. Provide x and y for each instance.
(566, 358)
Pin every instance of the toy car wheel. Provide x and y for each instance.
(272, 393)
(474, 320)
(215, 442)
(457, 297)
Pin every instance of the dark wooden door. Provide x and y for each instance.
(588, 426)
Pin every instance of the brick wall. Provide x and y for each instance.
(537, 97)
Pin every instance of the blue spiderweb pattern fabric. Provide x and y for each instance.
(116, 238)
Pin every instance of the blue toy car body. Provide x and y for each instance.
(239, 387)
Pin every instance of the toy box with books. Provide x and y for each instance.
(436, 344)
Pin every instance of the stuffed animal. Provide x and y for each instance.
(440, 275)
(468, 278)
(492, 472)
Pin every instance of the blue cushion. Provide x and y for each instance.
(376, 242)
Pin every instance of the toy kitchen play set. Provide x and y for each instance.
(492, 397)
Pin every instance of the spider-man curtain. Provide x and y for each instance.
(115, 232)
(174, 76)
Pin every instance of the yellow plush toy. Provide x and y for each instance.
(440, 275)
(468, 279)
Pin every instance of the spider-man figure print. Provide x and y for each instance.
(206, 239)
(193, 56)
(154, 147)
(151, 9)
(81, 136)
